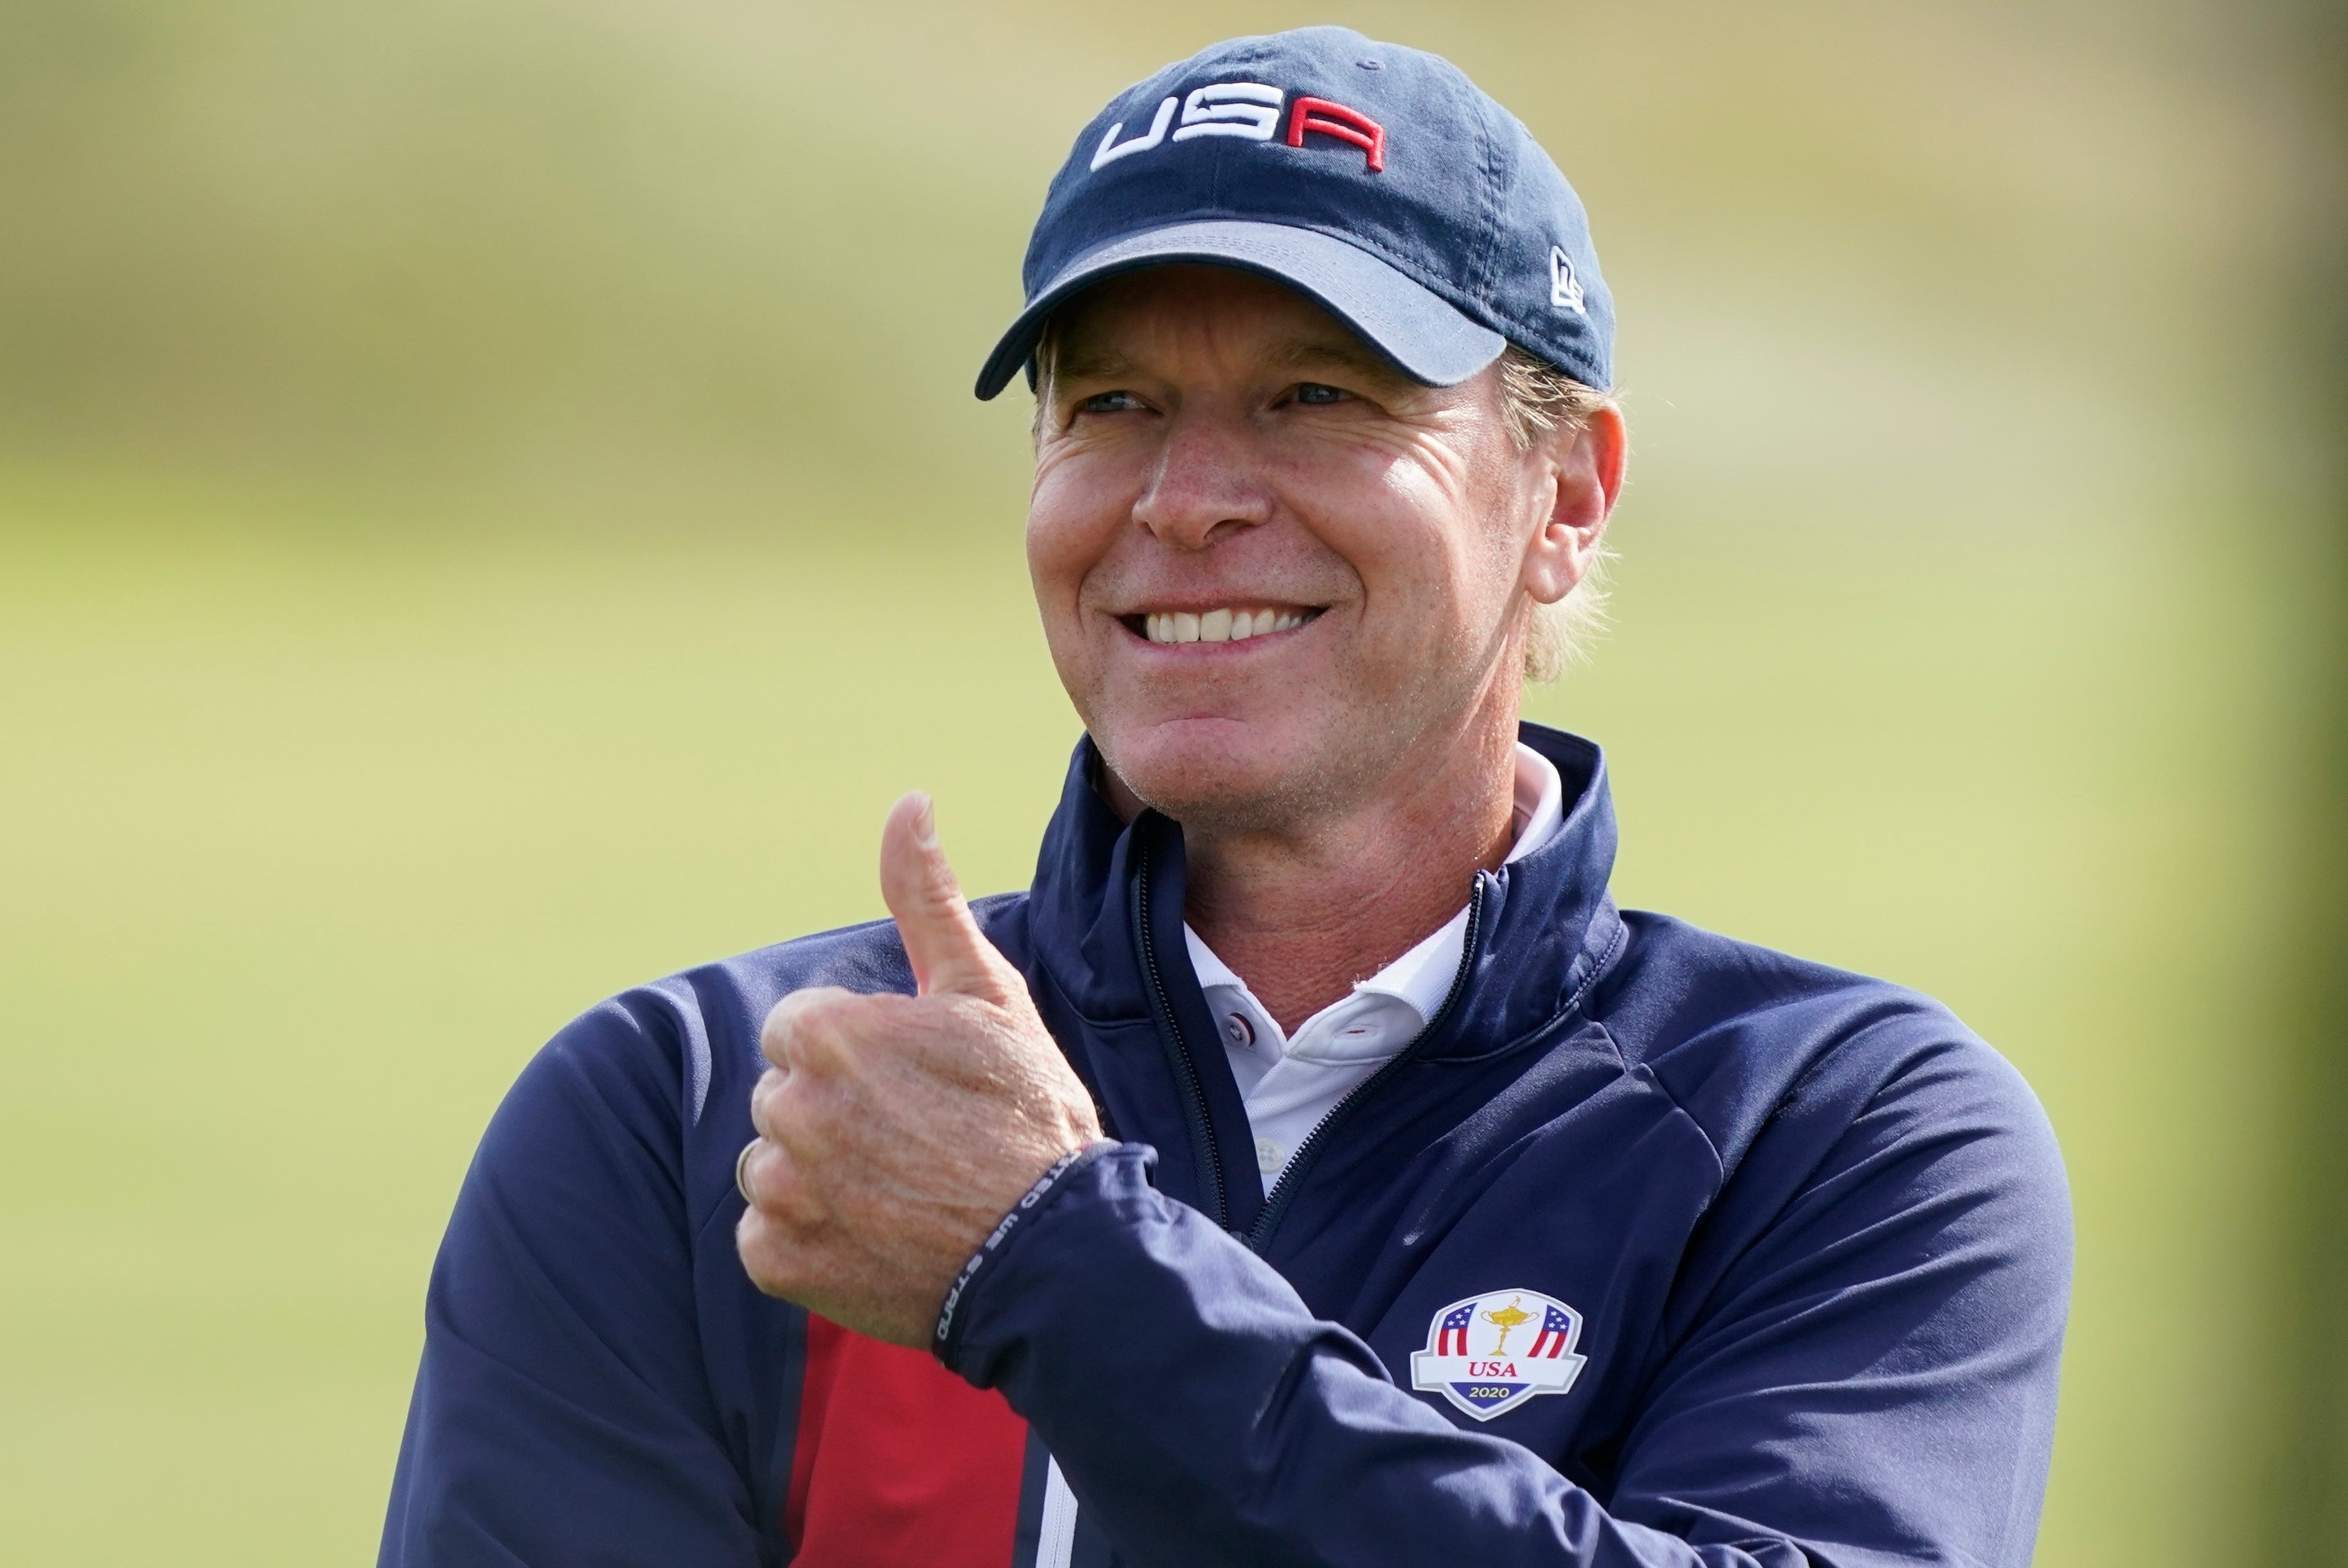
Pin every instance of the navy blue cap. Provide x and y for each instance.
(1377, 181)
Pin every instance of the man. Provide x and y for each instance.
(1314, 1166)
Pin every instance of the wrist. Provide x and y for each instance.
(1023, 1214)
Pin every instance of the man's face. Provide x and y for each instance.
(1276, 575)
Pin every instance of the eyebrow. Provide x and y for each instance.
(1317, 354)
(1088, 364)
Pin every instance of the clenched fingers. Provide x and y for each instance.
(808, 1028)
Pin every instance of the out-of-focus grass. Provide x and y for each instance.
(310, 843)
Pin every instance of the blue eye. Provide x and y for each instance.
(1316, 393)
(1108, 403)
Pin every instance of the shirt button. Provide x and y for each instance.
(1267, 1155)
(1238, 1031)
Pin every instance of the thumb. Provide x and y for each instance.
(949, 952)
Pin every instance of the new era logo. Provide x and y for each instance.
(1564, 288)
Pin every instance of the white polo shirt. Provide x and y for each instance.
(1289, 1083)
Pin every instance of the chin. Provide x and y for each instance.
(1216, 772)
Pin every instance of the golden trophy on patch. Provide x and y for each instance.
(1507, 1318)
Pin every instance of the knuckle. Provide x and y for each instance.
(803, 1022)
(766, 1099)
(774, 1034)
(752, 1170)
(777, 1190)
(820, 1052)
(940, 898)
(774, 1264)
(893, 1013)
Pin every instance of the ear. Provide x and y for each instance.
(1581, 473)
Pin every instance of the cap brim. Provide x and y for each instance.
(1426, 338)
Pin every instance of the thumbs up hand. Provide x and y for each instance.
(895, 1131)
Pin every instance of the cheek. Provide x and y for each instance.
(1437, 560)
(1076, 514)
(1409, 540)
(1070, 523)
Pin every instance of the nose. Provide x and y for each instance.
(1204, 486)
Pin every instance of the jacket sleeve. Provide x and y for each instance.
(562, 1414)
(1872, 1383)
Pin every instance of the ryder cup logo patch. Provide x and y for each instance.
(1493, 1352)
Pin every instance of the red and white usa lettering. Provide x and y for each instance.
(1250, 110)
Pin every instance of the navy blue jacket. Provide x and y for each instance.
(1814, 1233)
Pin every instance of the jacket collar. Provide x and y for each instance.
(1545, 926)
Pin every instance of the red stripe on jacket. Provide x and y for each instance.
(898, 1461)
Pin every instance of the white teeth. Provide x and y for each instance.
(1218, 625)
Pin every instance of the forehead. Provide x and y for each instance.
(1223, 311)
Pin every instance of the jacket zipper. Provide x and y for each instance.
(1202, 1126)
(1283, 1192)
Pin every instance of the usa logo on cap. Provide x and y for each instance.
(1491, 1353)
(1377, 182)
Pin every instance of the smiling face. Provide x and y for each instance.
(1278, 578)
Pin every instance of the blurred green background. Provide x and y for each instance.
(490, 512)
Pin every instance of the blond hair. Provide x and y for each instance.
(1538, 400)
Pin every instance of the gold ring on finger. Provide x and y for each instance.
(741, 1172)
